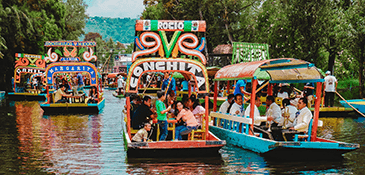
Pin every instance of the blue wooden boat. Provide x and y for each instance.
(32, 67)
(239, 130)
(359, 104)
(72, 65)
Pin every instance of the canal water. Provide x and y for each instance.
(33, 143)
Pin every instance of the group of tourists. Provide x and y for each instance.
(186, 114)
(74, 89)
(294, 113)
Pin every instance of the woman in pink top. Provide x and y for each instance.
(198, 111)
(188, 118)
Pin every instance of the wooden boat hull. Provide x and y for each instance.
(319, 149)
(118, 96)
(72, 108)
(26, 96)
(335, 111)
(359, 104)
(176, 149)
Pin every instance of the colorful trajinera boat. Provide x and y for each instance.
(207, 144)
(29, 68)
(68, 64)
(359, 104)
(239, 130)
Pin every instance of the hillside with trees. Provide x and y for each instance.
(119, 29)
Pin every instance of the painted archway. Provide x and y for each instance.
(87, 67)
(196, 69)
(25, 69)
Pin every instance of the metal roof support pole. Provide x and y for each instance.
(206, 116)
(252, 107)
(316, 111)
(215, 96)
(228, 86)
(269, 89)
(128, 101)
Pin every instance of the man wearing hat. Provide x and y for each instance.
(330, 86)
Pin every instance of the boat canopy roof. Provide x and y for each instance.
(282, 70)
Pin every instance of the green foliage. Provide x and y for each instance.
(26, 25)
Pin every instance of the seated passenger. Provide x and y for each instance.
(274, 111)
(257, 118)
(143, 114)
(142, 134)
(237, 107)
(226, 104)
(288, 113)
(60, 96)
(283, 94)
(93, 95)
(188, 118)
(198, 111)
(303, 117)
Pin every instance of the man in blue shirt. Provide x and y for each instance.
(166, 82)
(241, 89)
(80, 81)
(185, 85)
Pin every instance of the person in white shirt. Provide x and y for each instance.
(257, 118)
(120, 85)
(330, 86)
(237, 107)
(303, 117)
(283, 94)
(288, 113)
(225, 105)
(274, 111)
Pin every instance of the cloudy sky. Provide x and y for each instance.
(115, 8)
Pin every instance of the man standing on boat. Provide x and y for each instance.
(80, 81)
(241, 89)
(330, 86)
(143, 113)
(120, 85)
(166, 81)
(161, 114)
(237, 107)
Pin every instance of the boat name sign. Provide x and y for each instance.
(170, 65)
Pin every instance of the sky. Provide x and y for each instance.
(115, 8)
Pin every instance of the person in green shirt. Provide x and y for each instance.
(161, 114)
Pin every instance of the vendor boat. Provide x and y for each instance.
(239, 130)
(28, 66)
(66, 66)
(201, 142)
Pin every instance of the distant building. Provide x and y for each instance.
(121, 63)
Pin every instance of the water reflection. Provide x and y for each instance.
(31, 143)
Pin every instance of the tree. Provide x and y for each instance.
(91, 36)
(75, 19)
(355, 24)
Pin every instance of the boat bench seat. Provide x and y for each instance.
(134, 131)
(306, 137)
(257, 134)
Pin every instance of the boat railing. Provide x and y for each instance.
(231, 122)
